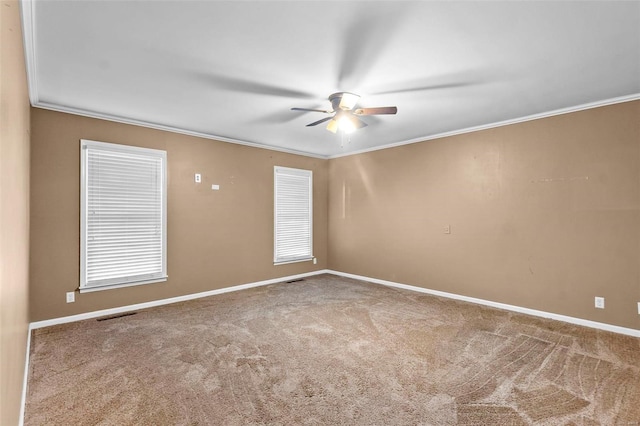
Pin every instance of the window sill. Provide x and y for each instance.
(284, 262)
(112, 286)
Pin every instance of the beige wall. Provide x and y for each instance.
(216, 239)
(544, 214)
(14, 212)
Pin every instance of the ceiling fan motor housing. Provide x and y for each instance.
(336, 100)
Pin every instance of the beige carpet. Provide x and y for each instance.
(328, 351)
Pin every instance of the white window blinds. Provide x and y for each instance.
(293, 190)
(123, 215)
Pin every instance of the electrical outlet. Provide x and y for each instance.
(71, 296)
(315, 262)
(600, 302)
(198, 178)
(638, 308)
(447, 229)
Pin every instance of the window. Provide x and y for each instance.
(123, 216)
(293, 189)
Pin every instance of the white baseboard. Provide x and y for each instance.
(128, 308)
(23, 399)
(112, 311)
(519, 309)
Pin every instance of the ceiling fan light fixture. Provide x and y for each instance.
(348, 100)
(333, 125)
(346, 124)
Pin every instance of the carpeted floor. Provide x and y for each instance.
(330, 351)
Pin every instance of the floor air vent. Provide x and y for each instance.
(126, 314)
(295, 281)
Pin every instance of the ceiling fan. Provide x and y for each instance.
(343, 115)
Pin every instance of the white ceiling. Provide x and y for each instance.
(232, 70)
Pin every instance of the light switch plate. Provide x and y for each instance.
(71, 296)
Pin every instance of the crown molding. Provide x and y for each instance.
(29, 39)
(113, 118)
(561, 111)
(155, 126)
